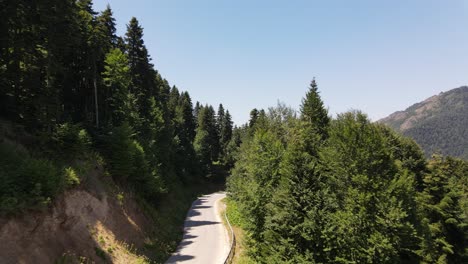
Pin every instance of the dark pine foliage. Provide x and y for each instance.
(76, 87)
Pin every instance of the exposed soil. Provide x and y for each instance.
(87, 226)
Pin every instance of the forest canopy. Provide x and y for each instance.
(316, 189)
(72, 89)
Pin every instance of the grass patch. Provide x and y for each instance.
(235, 218)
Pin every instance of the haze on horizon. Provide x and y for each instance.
(378, 57)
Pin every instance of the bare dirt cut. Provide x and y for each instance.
(84, 225)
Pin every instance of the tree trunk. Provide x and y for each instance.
(96, 103)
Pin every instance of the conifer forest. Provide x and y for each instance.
(305, 186)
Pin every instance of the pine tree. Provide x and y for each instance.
(117, 79)
(220, 117)
(173, 103)
(142, 85)
(225, 134)
(89, 53)
(186, 113)
(106, 25)
(206, 142)
(254, 180)
(300, 205)
(196, 111)
(253, 117)
(313, 111)
(106, 40)
(441, 198)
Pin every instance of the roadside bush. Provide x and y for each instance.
(26, 182)
(128, 162)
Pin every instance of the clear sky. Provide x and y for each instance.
(376, 56)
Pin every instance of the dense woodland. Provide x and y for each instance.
(74, 90)
(311, 189)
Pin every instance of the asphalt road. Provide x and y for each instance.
(206, 239)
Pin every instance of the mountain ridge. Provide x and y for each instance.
(438, 123)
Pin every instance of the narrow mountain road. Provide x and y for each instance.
(206, 239)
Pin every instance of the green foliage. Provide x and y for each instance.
(116, 77)
(100, 253)
(128, 162)
(254, 180)
(444, 217)
(66, 76)
(207, 144)
(26, 182)
(71, 178)
(71, 140)
(313, 111)
(233, 213)
(121, 148)
(375, 197)
(438, 125)
(348, 191)
(120, 198)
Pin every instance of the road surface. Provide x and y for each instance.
(206, 239)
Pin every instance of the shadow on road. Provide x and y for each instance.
(191, 223)
(200, 207)
(179, 258)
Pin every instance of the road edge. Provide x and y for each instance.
(232, 247)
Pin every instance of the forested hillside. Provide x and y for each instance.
(86, 117)
(311, 189)
(72, 92)
(438, 124)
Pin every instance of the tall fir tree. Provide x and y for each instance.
(142, 85)
(313, 110)
(117, 80)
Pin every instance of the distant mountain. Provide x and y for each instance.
(439, 123)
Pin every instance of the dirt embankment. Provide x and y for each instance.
(84, 225)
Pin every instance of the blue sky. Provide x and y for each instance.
(376, 56)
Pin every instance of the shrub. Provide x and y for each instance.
(120, 151)
(128, 162)
(71, 139)
(71, 178)
(25, 181)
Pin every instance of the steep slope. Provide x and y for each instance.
(90, 223)
(439, 123)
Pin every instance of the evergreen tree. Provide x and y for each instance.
(117, 79)
(106, 40)
(253, 117)
(313, 111)
(184, 134)
(220, 118)
(441, 201)
(207, 138)
(142, 85)
(254, 180)
(196, 111)
(226, 130)
(185, 111)
(106, 24)
(221, 124)
(300, 205)
(173, 103)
